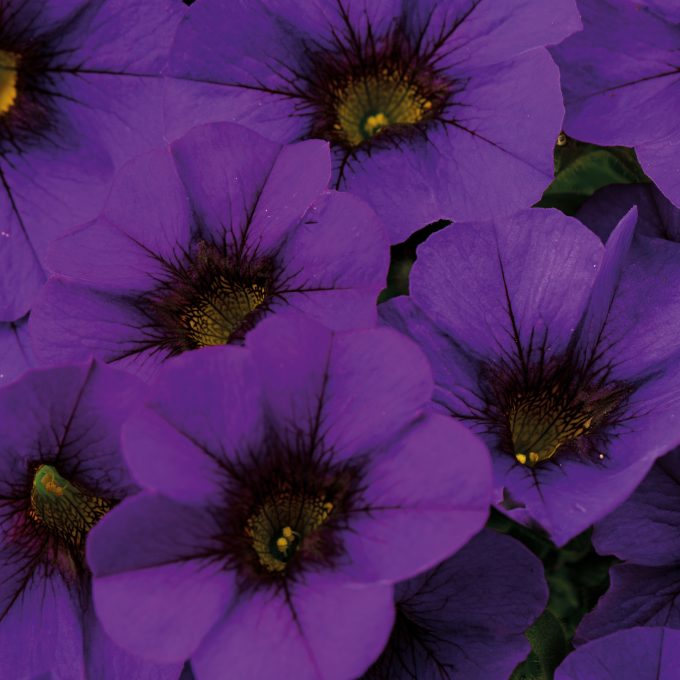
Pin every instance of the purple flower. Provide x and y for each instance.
(621, 82)
(78, 95)
(645, 532)
(199, 241)
(657, 216)
(60, 471)
(466, 617)
(435, 109)
(15, 351)
(289, 483)
(564, 359)
(633, 654)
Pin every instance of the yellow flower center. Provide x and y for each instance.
(280, 526)
(370, 105)
(9, 63)
(221, 311)
(64, 509)
(540, 425)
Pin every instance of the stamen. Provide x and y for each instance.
(374, 124)
(367, 106)
(221, 311)
(210, 297)
(66, 510)
(541, 424)
(280, 526)
(9, 63)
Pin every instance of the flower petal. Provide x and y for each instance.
(469, 613)
(328, 631)
(637, 596)
(42, 631)
(337, 258)
(619, 87)
(483, 32)
(494, 287)
(203, 407)
(359, 387)
(646, 528)
(15, 352)
(633, 653)
(425, 497)
(225, 186)
(160, 599)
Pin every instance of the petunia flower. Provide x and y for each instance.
(466, 617)
(560, 352)
(434, 109)
(201, 240)
(79, 94)
(288, 484)
(634, 653)
(657, 216)
(61, 470)
(645, 532)
(621, 82)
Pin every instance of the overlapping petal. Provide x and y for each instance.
(634, 653)
(92, 102)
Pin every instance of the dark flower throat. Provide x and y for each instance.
(286, 507)
(66, 510)
(210, 297)
(539, 409)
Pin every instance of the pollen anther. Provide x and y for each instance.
(9, 64)
(221, 311)
(369, 105)
(542, 424)
(64, 509)
(274, 546)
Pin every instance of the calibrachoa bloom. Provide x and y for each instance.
(466, 618)
(657, 216)
(60, 471)
(635, 653)
(621, 82)
(199, 241)
(77, 96)
(564, 359)
(289, 483)
(434, 109)
(15, 350)
(645, 532)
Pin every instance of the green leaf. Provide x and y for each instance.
(548, 647)
(529, 669)
(581, 169)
